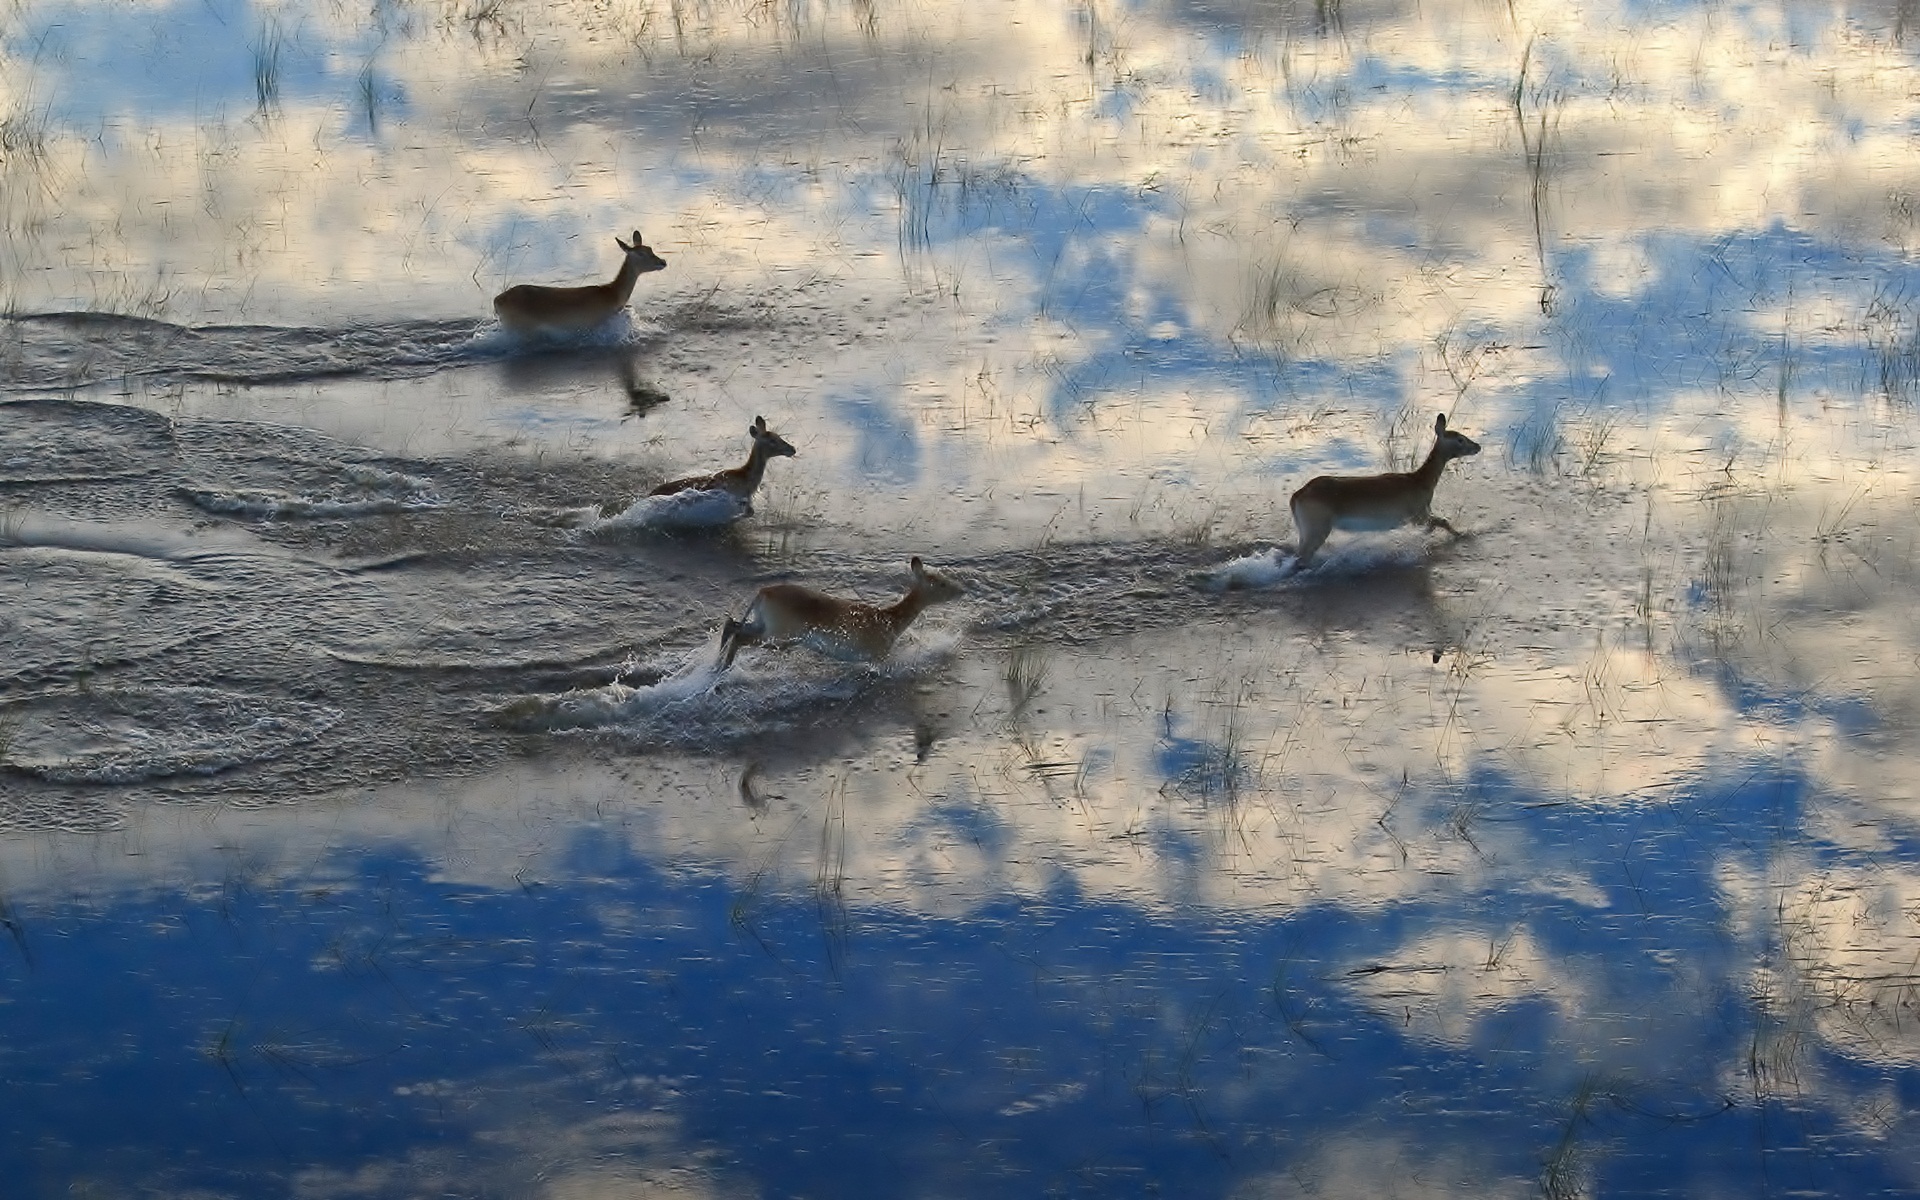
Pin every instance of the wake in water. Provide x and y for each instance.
(61, 351)
(1278, 567)
(694, 702)
(75, 349)
(617, 703)
(494, 340)
(378, 492)
(65, 350)
(121, 736)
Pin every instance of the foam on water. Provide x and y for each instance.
(1260, 570)
(694, 701)
(680, 510)
(924, 646)
(620, 329)
(617, 703)
(1278, 566)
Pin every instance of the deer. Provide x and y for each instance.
(787, 612)
(741, 481)
(533, 308)
(1376, 502)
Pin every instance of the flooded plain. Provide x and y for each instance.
(375, 820)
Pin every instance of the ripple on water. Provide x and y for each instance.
(66, 612)
(130, 735)
(73, 349)
(61, 441)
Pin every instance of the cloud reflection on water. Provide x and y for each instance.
(1102, 273)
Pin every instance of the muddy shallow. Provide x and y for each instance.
(374, 821)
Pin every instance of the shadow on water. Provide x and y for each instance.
(1385, 600)
(629, 369)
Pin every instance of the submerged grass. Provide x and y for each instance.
(1891, 329)
(1025, 674)
(1537, 442)
(10, 723)
(1563, 1176)
(1549, 103)
(1592, 445)
(268, 49)
(830, 877)
(16, 929)
(1223, 766)
(25, 132)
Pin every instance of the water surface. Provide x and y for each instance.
(374, 823)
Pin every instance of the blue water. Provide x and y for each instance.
(236, 1035)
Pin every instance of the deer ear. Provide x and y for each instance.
(919, 569)
(1440, 423)
(638, 241)
(759, 424)
(624, 248)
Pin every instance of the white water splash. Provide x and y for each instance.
(680, 510)
(617, 703)
(699, 702)
(1262, 570)
(620, 329)
(1279, 567)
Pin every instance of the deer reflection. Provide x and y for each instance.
(1385, 597)
(642, 397)
(580, 366)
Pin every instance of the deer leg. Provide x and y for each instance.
(736, 634)
(749, 630)
(1313, 534)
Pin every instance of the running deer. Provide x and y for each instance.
(741, 481)
(536, 308)
(1377, 502)
(784, 612)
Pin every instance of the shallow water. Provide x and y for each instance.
(374, 820)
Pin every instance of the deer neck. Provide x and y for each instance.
(1428, 472)
(754, 468)
(622, 285)
(901, 612)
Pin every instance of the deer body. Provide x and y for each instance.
(741, 481)
(537, 308)
(1376, 502)
(785, 612)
